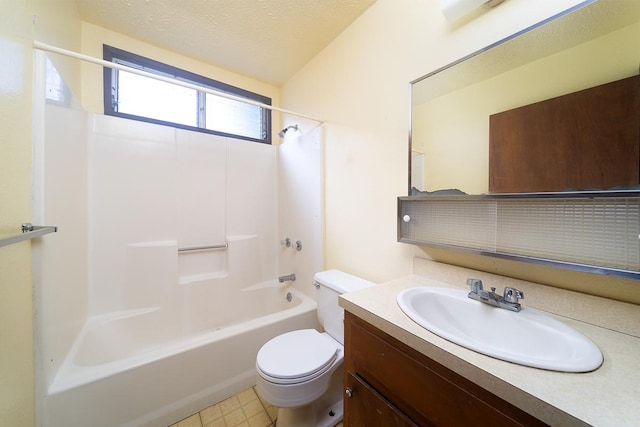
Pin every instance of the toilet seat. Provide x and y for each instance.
(296, 356)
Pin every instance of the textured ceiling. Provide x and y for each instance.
(269, 40)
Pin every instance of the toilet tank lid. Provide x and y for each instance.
(340, 281)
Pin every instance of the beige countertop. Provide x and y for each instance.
(608, 396)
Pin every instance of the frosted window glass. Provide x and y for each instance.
(146, 97)
(237, 118)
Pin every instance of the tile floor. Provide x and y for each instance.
(245, 409)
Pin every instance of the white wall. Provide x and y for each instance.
(154, 189)
(60, 278)
(360, 86)
(301, 201)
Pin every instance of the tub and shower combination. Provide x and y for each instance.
(131, 328)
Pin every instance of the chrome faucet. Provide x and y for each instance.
(508, 301)
(291, 277)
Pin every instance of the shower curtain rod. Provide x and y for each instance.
(48, 48)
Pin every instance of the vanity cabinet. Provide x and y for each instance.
(387, 383)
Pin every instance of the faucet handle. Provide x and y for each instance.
(512, 295)
(475, 285)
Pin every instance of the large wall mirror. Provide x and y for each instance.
(457, 133)
(594, 44)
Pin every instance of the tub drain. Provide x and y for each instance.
(289, 296)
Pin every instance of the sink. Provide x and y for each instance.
(528, 337)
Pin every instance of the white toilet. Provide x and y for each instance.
(300, 372)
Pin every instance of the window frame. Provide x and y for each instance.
(112, 54)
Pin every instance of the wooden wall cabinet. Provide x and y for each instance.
(389, 384)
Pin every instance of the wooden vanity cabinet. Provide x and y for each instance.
(389, 384)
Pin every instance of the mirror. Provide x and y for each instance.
(450, 108)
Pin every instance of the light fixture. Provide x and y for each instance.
(456, 9)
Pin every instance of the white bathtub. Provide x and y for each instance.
(153, 367)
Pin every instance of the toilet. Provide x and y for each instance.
(300, 372)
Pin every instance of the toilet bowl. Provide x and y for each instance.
(295, 368)
(300, 372)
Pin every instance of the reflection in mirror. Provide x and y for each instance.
(449, 142)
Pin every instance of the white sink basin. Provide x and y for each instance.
(528, 337)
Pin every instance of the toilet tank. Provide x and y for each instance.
(329, 285)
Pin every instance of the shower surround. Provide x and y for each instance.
(121, 308)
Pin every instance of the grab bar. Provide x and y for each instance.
(29, 231)
(202, 248)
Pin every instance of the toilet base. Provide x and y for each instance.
(326, 411)
(310, 416)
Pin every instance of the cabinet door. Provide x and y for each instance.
(364, 406)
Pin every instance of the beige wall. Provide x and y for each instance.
(16, 347)
(20, 22)
(360, 86)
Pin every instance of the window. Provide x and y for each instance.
(143, 98)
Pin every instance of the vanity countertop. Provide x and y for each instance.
(608, 396)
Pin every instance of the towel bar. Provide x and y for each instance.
(203, 248)
(29, 231)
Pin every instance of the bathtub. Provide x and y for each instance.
(155, 366)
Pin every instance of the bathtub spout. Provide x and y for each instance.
(290, 277)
